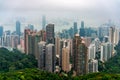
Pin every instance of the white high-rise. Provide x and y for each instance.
(50, 58)
(97, 44)
(111, 34)
(91, 51)
(116, 36)
(106, 51)
(92, 66)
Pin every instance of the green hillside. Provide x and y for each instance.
(15, 65)
(36, 74)
(113, 64)
(15, 60)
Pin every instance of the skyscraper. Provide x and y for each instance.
(106, 51)
(105, 39)
(92, 66)
(50, 58)
(14, 41)
(36, 38)
(71, 32)
(111, 34)
(1, 31)
(31, 43)
(31, 27)
(87, 40)
(60, 51)
(43, 22)
(50, 34)
(80, 56)
(97, 44)
(26, 33)
(75, 28)
(8, 40)
(42, 33)
(103, 31)
(65, 59)
(82, 30)
(82, 24)
(29, 37)
(18, 31)
(18, 28)
(113, 37)
(42, 53)
(57, 46)
(91, 51)
(116, 36)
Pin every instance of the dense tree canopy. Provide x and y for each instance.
(36, 74)
(15, 60)
(15, 65)
(113, 64)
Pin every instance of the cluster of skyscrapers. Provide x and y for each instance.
(8, 39)
(73, 49)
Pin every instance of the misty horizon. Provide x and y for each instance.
(93, 12)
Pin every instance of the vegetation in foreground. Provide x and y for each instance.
(36, 74)
(15, 60)
(17, 66)
(113, 64)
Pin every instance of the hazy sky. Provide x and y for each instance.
(91, 11)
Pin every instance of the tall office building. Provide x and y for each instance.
(82, 30)
(106, 51)
(29, 38)
(91, 51)
(36, 38)
(14, 41)
(42, 53)
(80, 56)
(76, 42)
(116, 36)
(57, 46)
(1, 31)
(18, 29)
(105, 39)
(65, 59)
(50, 34)
(82, 24)
(8, 41)
(92, 66)
(50, 58)
(31, 43)
(71, 33)
(22, 47)
(33, 40)
(69, 44)
(42, 33)
(97, 44)
(103, 31)
(43, 22)
(1, 41)
(113, 37)
(26, 33)
(75, 28)
(111, 34)
(31, 27)
(60, 52)
(88, 41)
